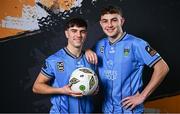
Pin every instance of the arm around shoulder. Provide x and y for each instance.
(91, 56)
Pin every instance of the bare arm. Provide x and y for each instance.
(159, 73)
(41, 86)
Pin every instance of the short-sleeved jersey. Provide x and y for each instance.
(120, 69)
(59, 67)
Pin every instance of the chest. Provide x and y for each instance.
(122, 54)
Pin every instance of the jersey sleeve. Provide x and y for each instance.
(99, 46)
(47, 70)
(145, 54)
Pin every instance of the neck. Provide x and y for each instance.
(115, 38)
(75, 51)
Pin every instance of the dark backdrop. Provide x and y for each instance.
(21, 57)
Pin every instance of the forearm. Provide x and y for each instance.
(41, 88)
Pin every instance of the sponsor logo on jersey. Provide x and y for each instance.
(126, 52)
(110, 74)
(150, 50)
(112, 50)
(102, 49)
(60, 66)
(79, 64)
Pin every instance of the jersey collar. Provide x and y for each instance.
(70, 54)
(119, 39)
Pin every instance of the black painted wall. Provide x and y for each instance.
(21, 58)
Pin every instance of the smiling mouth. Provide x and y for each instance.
(110, 30)
(77, 40)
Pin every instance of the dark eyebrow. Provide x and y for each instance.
(103, 19)
(114, 18)
(73, 29)
(84, 30)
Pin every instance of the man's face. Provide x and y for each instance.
(112, 24)
(76, 36)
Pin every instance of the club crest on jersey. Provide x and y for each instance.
(102, 49)
(150, 50)
(60, 66)
(126, 52)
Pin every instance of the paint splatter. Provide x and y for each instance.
(28, 21)
(40, 16)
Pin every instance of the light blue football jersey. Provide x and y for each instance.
(59, 67)
(120, 67)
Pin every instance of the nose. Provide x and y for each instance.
(109, 24)
(78, 34)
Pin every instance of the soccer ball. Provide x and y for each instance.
(83, 80)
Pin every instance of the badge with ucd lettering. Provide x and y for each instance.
(126, 52)
(60, 66)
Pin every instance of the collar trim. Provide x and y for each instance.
(119, 39)
(70, 54)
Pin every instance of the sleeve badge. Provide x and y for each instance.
(60, 66)
(150, 50)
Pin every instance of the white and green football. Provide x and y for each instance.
(84, 80)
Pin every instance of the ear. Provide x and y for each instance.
(66, 33)
(122, 21)
(100, 22)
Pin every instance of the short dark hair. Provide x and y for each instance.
(79, 22)
(111, 10)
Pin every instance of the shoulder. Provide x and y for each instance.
(100, 44)
(56, 56)
(102, 41)
(136, 41)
